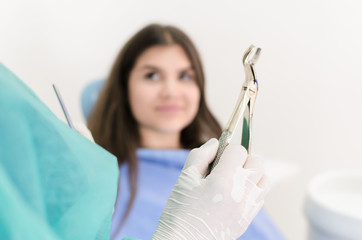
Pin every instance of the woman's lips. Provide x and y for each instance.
(169, 108)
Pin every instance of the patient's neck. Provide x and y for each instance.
(151, 138)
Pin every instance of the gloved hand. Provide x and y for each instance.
(220, 206)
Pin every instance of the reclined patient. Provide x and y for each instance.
(150, 113)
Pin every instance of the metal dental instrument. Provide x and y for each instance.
(244, 107)
(65, 111)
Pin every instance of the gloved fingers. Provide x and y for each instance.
(258, 185)
(233, 157)
(201, 157)
(247, 215)
(244, 187)
(254, 168)
(253, 211)
(239, 227)
(263, 184)
(256, 194)
(254, 174)
(254, 200)
(253, 162)
(196, 165)
(82, 129)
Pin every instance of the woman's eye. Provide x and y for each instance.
(152, 76)
(186, 76)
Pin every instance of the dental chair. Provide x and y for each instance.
(90, 95)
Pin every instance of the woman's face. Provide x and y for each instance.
(163, 93)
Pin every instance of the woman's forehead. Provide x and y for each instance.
(170, 56)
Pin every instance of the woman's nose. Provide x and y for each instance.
(170, 88)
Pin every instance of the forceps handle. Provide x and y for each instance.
(246, 130)
(242, 105)
(65, 111)
(238, 110)
(224, 141)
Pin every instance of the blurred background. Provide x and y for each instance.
(308, 114)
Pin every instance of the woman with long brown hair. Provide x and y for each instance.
(151, 111)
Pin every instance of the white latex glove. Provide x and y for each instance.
(220, 206)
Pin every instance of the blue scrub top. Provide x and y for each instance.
(158, 173)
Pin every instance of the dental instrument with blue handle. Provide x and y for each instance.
(244, 107)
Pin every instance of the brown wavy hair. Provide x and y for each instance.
(111, 122)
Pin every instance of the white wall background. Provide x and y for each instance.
(309, 107)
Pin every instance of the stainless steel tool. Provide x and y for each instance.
(244, 107)
(65, 111)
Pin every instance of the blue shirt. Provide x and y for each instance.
(158, 173)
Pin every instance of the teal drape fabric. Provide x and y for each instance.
(54, 183)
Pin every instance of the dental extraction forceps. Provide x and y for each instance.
(244, 107)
